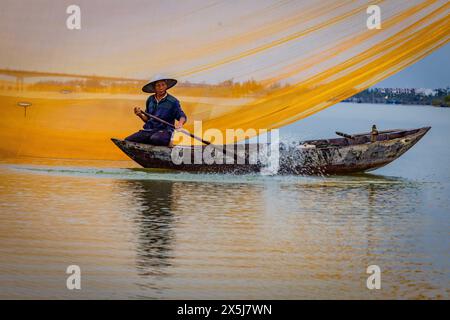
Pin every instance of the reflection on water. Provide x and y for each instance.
(154, 224)
(149, 234)
(211, 236)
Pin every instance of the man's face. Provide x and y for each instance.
(160, 87)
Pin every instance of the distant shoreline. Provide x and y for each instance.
(395, 96)
(396, 104)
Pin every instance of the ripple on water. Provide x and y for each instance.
(168, 175)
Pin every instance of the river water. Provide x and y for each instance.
(142, 234)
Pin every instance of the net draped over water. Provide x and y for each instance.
(247, 65)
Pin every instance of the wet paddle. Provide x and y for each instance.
(345, 135)
(180, 130)
(208, 143)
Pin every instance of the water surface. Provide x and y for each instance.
(146, 234)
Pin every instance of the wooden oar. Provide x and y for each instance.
(208, 143)
(379, 132)
(345, 135)
(355, 135)
(181, 130)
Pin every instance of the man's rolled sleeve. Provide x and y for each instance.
(179, 113)
(147, 105)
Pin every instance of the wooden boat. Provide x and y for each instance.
(349, 154)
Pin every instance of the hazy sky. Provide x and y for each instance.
(431, 72)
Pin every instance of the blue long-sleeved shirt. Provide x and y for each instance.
(168, 109)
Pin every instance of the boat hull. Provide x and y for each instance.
(329, 156)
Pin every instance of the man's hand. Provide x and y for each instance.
(179, 124)
(140, 114)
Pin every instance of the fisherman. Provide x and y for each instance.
(162, 105)
(374, 134)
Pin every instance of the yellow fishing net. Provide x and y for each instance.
(258, 64)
